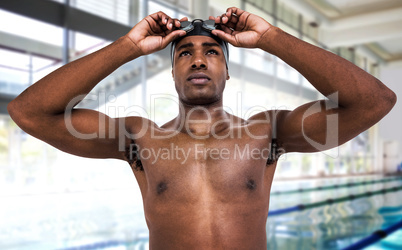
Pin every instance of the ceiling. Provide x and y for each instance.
(373, 26)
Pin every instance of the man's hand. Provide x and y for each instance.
(241, 28)
(155, 32)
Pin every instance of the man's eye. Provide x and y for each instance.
(212, 51)
(184, 53)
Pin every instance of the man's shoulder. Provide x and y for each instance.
(135, 124)
(269, 115)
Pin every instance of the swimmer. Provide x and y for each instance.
(205, 176)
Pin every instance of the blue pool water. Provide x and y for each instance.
(333, 226)
(114, 219)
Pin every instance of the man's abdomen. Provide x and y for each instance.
(207, 213)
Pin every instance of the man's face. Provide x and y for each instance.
(199, 70)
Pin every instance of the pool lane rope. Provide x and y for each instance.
(301, 207)
(376, 236)
(322, 188)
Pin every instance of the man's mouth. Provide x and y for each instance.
(198, 78)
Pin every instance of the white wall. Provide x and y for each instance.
(391, 125)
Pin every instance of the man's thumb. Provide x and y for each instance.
(172, 36)
(224, 36)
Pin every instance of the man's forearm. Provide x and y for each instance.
(51, 95)
(328, 72)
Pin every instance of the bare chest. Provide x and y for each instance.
(181, 166)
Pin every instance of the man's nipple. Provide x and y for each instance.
(162, 186)
(251, 184)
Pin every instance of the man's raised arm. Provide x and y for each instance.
(356, 99)
(41, 109)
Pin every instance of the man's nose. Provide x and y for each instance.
(199, 62)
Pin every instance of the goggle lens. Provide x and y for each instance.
(209, 24)
(188, 26)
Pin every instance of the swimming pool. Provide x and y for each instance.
(333, 226)
(108, 219)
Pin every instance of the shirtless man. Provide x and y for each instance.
(219, 196)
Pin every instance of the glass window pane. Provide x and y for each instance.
(39, 63)
(162, 97)
(287, 73)
(117, 10)
(256, 98)
(87, 43)
(154, 7)
(30, 28)
(14, 60)
(219, 7)
(258, 8)
(14, 72)
(259, 60)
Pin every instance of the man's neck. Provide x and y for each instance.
(202, 120)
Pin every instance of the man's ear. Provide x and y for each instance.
(227, 74)
(172, 74)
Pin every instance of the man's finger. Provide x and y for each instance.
(227, 29)
(176, 23)
(169, 23)
(229, 12)
(233, 19)
(217, 19)
(156, 23)
(162, 16)
(225, 37)
(229, 25)
(163, 20)
(242, 21)
(159, 17)
(235, 10)
(172, 36)
(224, 18)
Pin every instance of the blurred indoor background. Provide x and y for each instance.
(52, 200)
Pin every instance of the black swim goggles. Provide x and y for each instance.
(188, 26)
(199, 27)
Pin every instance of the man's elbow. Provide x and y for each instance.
(385, 102)
(17, 115)
(12, 109)
(393, 98)
(390, 99)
